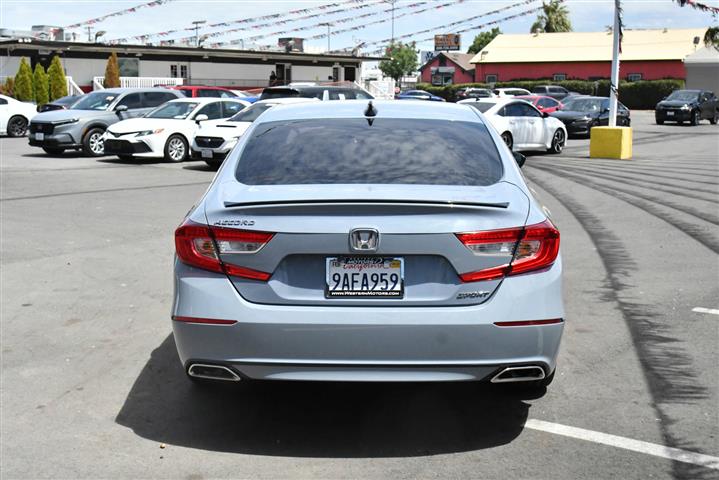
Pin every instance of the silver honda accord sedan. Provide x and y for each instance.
(369, 241)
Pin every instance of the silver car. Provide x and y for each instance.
(369, 241)
(81, 127)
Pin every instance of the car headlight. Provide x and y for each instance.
(149, 132)
(67, 122)
(686, 107)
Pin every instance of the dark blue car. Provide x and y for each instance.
(418, 95)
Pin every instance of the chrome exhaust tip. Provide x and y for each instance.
(526, 373)
(212, 372)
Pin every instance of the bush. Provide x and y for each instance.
(23, 82)
(56, 79)
(637, 95)
(40, 85)
(112, 72)
(8, 87)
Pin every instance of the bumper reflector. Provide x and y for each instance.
(526, 323)
(210, 321)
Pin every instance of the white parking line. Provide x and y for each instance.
(675, 454)
(706, 310)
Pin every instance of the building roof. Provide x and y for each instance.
(703, 56)
(152, 50)
(667, 44)
(463, 60)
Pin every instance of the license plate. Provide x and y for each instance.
(670, 114)
(206, 153)
(366, 277)
(39, 136)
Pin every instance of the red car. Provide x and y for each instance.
(543, 104)
(205, 91)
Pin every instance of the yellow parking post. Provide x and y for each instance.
(611, 142)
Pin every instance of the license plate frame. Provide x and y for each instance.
(39, 136)
(371, 265)
(206, 153)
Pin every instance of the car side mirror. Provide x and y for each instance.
(545, 114)
(121, 108)
(201, 118)
(519, 158)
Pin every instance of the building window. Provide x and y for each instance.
(129, 67)
(634, 77)
(491, 78)
(173, 71)
(183, 71)
(558, 77)
(444, 78)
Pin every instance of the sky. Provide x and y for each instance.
(586, 15)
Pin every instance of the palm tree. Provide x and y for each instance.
(711, 37)
(555, 18)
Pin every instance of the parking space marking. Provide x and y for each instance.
(675, 454)
(713, 311)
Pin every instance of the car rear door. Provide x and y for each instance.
(313, 211)
(518, 123)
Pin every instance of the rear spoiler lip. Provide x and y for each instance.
(422, 203)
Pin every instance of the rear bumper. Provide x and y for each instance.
(281, 342)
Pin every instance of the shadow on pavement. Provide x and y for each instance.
(200, 167)
(305, 419)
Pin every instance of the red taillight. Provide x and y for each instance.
(201, 246)
(527, 249)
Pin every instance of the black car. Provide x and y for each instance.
(690, 106)
(466, 93)
(580, 114)
(316, 91)
(59, 104)
(554, 91)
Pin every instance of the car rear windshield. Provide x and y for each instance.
(250, 113)
(355, 151)
(481, 106)
(268, 93)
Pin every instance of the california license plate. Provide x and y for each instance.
(206, 153)
(366, 277)
(39, 136)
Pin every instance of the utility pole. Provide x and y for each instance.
(328, 24)
(197, 24)
(614, 81)
(393, 2)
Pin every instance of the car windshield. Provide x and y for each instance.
(250, 113)
(683, 96)
(69, 100)
(355, 151)
(173, 110)
(584, 105)
(95, 101)
(481, 106)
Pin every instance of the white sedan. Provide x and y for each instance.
(214, 140)
(167, 130)
(15, 116)
(521, 125)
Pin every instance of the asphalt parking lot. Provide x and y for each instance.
(92, 387)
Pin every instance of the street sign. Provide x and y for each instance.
(446, 42)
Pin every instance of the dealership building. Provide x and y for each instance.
(646, 55)
(146, 65)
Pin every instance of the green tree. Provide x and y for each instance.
(402, 60)
(554, 18)
(40, 85)
(112, 72)
(57, 80)
(8, 86)
(711, 37)
(482, 40)
(23, 82)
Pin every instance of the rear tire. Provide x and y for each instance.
(660, 122)
(17, 126)
(92, 143)
(176, 149)
(53, 150)
(508, 140)
(558, 141)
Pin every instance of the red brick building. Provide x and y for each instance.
(646, 55)
(448, 68)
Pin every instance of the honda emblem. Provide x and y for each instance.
(364, 240)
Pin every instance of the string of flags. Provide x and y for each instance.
(354, 18)
(459, 22)
(280, 18)
(125, 11)
(699, 6)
